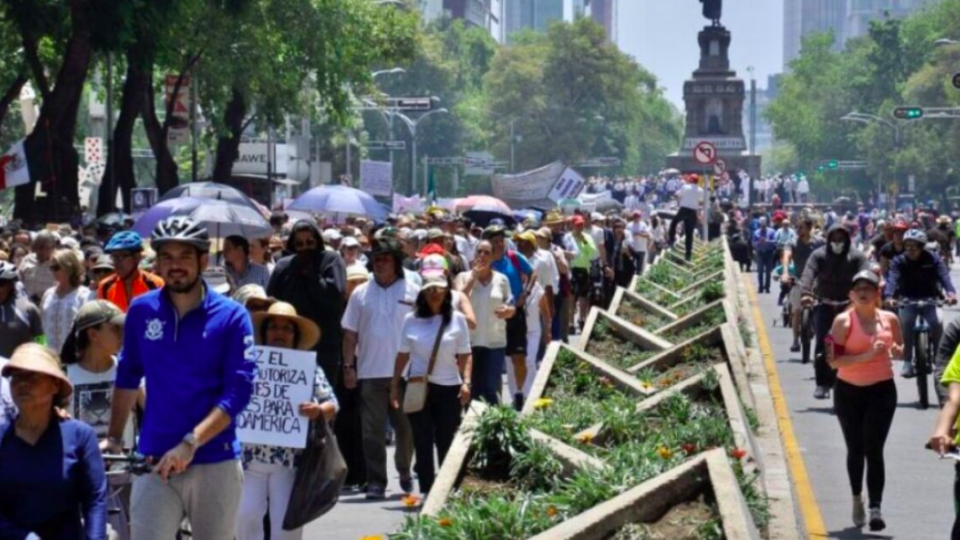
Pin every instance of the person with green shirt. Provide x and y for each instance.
(585, 250)
(945, 436)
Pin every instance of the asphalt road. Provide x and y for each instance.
(918, 499)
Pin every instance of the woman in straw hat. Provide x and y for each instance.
(269, 471)
(52, 481)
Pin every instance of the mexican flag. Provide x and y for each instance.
(13, 167)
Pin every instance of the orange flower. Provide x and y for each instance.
(665, 452)
(445, 522)
(738, 453)
(551, 511)
(410, 500)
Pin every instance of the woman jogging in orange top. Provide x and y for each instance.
(865, 397)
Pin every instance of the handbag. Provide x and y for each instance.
(321, 472)
(415, 396)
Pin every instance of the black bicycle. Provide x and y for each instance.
(924, 346)
(121, 468)
(806, 333)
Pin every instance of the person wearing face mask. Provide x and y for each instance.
(915, 275)
(826, 280)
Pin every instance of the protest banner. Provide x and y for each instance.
(284, 381)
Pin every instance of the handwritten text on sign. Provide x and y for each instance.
(284, 381)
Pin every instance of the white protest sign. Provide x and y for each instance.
(284, 381)
(376, 177)
(568, 186)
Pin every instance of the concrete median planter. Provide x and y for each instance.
(630, 306)
(695, 318)
(708, 476)
(454, 467)
(617, 341)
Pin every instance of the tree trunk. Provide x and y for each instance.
(50, 154)
(12, 93)
(167, 174)
(119, 172)
(228, 147)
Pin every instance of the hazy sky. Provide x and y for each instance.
(662, 36)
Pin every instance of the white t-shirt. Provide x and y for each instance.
(599, 236)
(545, 268)
(92, 399)
(635, 228)
(417, 338)
(690, 196)
(491, 331)
(532, 309)
(376, 314)
(58, 313)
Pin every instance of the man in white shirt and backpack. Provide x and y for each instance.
(639, 233)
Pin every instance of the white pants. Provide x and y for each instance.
(533, 347)
(265, 487)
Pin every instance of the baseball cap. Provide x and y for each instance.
(433, 265)
(597, 216)
(435, 282)
(526, 236)
(331, 235)
(104, 262)
(355, 272)
(577, 220)
(867, 275)
(494, 230)
(637, 213)
(96, 313)
(434, 234)
(350, 241)
(544, 232)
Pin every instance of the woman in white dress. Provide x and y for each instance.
(60, 303)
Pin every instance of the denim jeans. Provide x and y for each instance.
(765, 264)
(488, 367)
(908, 317)
(639, 259)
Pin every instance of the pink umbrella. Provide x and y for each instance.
(482, 203)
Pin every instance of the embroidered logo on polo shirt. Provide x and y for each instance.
(154, 329)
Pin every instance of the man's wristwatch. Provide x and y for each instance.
(191, 440)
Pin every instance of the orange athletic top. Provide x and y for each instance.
(877, 369)
(111, 288)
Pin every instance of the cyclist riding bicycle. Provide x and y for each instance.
(917, 274)
(826, 281)
(894, 247)
(798, 253)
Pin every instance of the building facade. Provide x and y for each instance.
(487, 14)
(847, 19)
(536, 14)
(605, 13)
(764, 130)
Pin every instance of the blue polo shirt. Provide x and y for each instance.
(506, 267)
(191, 365)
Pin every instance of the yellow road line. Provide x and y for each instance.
(812, 518)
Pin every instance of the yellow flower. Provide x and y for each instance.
(646, 385)
(410, 500)
(665, 452)
(551, 511)
(585, 438)
(445, 522)
(374, 537)
(542, 403)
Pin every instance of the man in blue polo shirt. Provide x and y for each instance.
(194, 349)
(519, 273)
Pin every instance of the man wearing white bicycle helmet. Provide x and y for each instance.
(917, 274)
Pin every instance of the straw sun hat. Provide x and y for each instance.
(309, 331)
(36, 358)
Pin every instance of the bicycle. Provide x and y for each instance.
(118, 515)
(806, 333)
(924, 347)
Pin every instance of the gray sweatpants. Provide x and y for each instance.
(208, 496)
(374, 410)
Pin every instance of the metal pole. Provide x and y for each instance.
(413, 164)
(194, 155)
(706, 202)
(109, 133)
(513, 141)
(426, 176)
(348, 155)
(753, 117)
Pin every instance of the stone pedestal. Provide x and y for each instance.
(714, 101)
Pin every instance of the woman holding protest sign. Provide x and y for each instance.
(269, 471)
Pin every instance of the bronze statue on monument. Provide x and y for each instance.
(712, 9)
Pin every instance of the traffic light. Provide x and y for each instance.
(833, 164)
(908, 113)
(820, 168)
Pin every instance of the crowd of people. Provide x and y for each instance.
(410, 318)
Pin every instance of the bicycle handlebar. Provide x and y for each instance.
(920, 302)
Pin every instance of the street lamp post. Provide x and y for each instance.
(753, 112)
(865, 118)
(412, 126)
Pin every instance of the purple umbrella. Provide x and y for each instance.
(339, 200)
(222, 218)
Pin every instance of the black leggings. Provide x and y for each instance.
(865, 414)
(689, 218)
(434, 427)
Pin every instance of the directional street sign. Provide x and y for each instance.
(386, 145)
(705, 153)
(720, 167)
(600, 162)
(410, 103)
